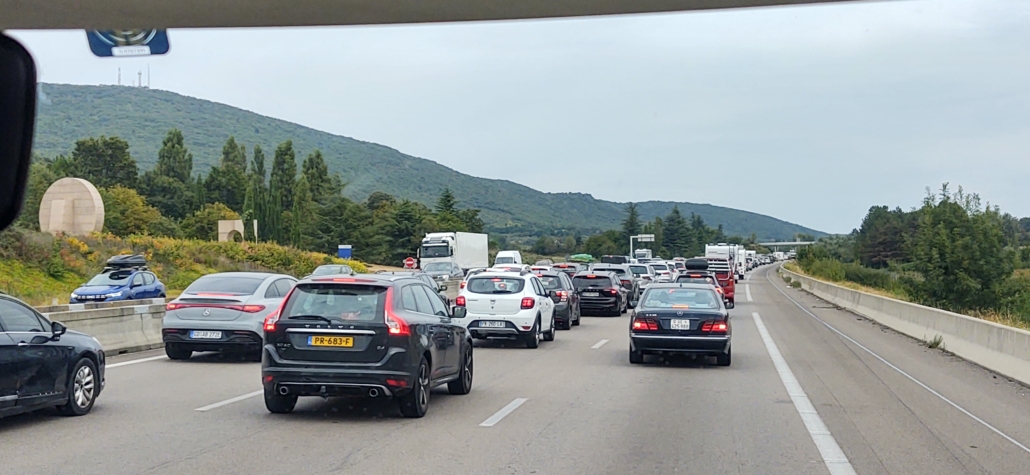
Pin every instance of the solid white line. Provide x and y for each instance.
(903, 373)
(230, 401)
(598, 344)
(494, 419)
(141, 360)
(836, 462)
(747, 290)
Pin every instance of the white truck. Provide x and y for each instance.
(779, 256)
(735, 253)
(752, 259)
(468, 250)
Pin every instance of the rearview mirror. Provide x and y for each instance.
(459, 312)
(18, 118)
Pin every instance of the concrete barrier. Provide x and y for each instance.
(119, 326)
(999, 348)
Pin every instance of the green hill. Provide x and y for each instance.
(142, 117)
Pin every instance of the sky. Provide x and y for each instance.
(809, 114)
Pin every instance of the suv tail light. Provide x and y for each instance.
(462, 284)
(627, 283)
(714, 327)
(397, 325)
(528, 303)
(645, 324)
(273, 317)
(613, 291)
(563, 295)
(460, 301)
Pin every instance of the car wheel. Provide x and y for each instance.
(175, 352)
(635, 356)
(723, 359)
(566, 323)
(533, 337)
(416, 403)
(82, 389)
(277, 403)
(579, 316)
(730, 304)
(463, 385)
(549, 336)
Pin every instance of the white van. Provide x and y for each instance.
(508, 257)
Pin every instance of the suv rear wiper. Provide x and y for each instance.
(309, 317)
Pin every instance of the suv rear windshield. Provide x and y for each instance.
(224, 285)
(597, 281)
(695, 280)
(639, 270)
(505, 260)
(336, 302)
(616, 270)
(679, 298)
(495, 285)
(551, 282)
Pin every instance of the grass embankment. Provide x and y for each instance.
(1001, 318)
(38, 267)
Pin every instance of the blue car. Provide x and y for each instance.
(123, 279)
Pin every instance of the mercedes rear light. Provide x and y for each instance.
(645, 324)
(714, 327)
(528, 303)
(397, 325)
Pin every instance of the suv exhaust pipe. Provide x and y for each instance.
(373, 392)
(283, 390)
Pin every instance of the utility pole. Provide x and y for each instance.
(148, 75)
(119, 76)
(139, 74)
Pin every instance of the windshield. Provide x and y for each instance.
(116, 278)
(616, 270)
(333, 270)
(223, 284)
(437, 267)
(495, 285)
(680, 299)
(551, 282)
(583, 282)
(639, 270)
(504, 260)
(435, 251)
(336, 302)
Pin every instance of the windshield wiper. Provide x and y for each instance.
(309, 317)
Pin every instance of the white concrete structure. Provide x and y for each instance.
(228, 229)
(71, 206)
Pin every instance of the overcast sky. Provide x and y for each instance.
(809, 114)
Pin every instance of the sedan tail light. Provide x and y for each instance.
(238, 308)
(528, 303)
(460, 301)
(645, 324)
(714, 327)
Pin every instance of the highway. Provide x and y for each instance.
(812, 390)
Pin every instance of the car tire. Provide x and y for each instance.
(533, 337)
(463, 385)
(277, 403)
(579, 316)
(175, 352)
(730, 304)
(724, 359)
(549, 335)
(83, 388)
(415, 404)
(636, 356)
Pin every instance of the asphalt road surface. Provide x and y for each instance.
(812, 390)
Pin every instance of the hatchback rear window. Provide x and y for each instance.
(224, 285)
(639, 270)
(551, 282)
(597, 281)
(336, 302)
(613, 269)
(495, 285)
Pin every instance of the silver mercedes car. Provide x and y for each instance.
(223, 312)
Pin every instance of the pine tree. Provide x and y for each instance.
(447, 203)
(315, 170)
(174, 160)
(302, 214)
(631, 225)
(284, 174)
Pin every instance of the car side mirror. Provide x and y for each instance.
(18, 116)
(459, 312)
(58, 329)
(443, 286)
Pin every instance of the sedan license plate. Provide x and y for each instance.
(591, 294)
(205, 335)
(679, 324)
(333, 341)
(491, 324)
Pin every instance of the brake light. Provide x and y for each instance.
(613, 291)
(563, 295)
(460, 301)
(714, 327)
(348, 280)
(462, 285)
(253, 308)
(645, 324)
(238, 308)
(271, 320)
(718, 289)
(591, 276)
(528, 303)
(626, 282)
(397, 325)
(172, 306)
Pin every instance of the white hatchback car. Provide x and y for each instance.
(508, 305)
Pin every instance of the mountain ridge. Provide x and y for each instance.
(142, 116)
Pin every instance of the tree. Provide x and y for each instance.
(881, 238)
(227, 183)
(316, 171)
(471, 220)
(40, 178)
(303, 215)
(676, 233)
(174, 160)
(171, 197)
(631, 225)
(447, 203)
(378, 200)
(203, 223)
(104, 161)
(126, 212)
(284, 175)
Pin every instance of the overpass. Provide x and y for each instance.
(786, 244)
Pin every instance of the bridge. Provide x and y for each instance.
(786, 244)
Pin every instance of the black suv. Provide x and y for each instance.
(602, 291)
(566, 300)
(369, 335)
(626, 278)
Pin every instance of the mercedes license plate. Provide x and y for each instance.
(491, 324)
(205, 335)
(679, 324)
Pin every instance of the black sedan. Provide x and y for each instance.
(681, 319)
(371, 336)
(43, 364)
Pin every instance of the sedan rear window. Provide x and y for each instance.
(495, 285)
(596, 281)
(336, 302)
(226, 285)
(679, 298)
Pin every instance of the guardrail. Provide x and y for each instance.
(124, 326)
(1004, 350)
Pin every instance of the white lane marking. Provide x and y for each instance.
(598, 344)
(747, 290)
(229, 401)
(836, 462)
(141, 360)
(494, 419)
(903, 373)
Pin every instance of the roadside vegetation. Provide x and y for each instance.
(951, 253)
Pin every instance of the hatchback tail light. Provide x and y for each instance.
(462, 284)
(714, 327)
(528, 303)
(645, 324)
(397, 325)
(460, 301)
(563, 295)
